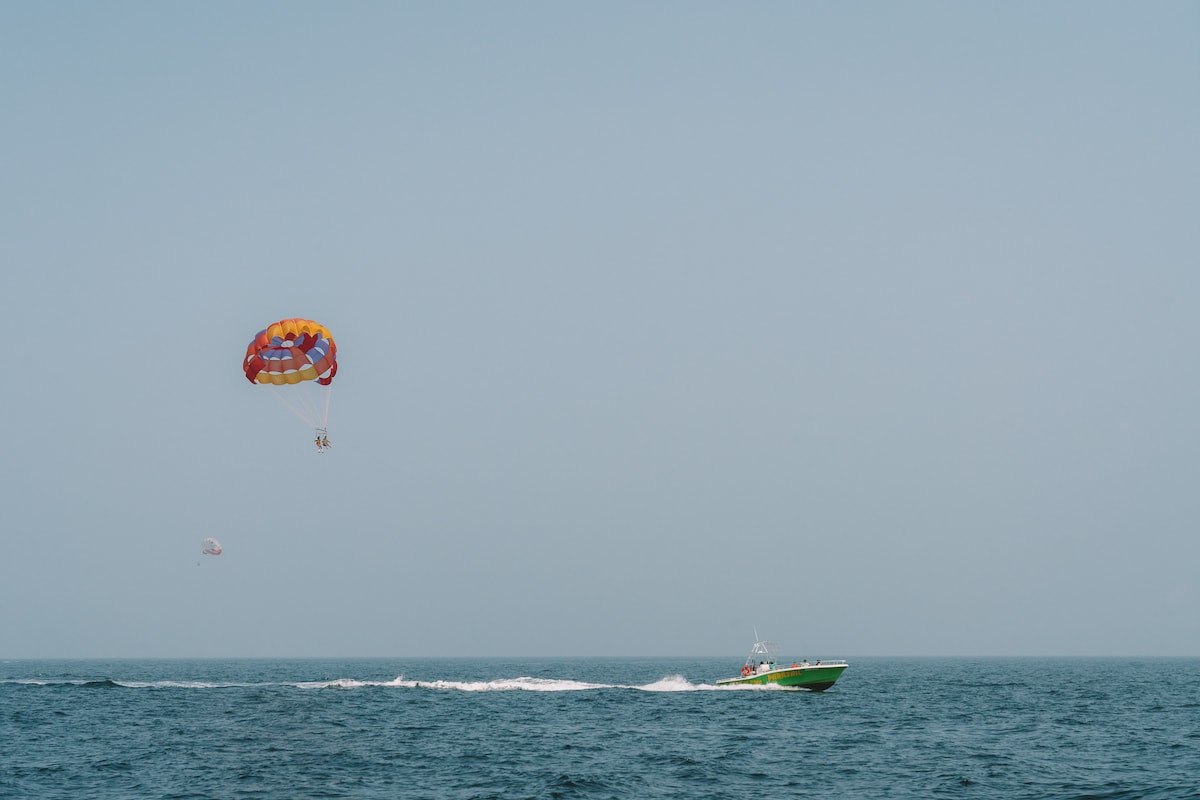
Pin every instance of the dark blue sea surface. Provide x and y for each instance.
(606, 728)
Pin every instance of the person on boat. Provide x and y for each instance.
(804, 662)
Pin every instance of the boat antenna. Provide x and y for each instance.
(756, 633)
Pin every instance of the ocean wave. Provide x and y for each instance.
(526, 684)
(190, 685)
(675, 683)
(86, 683)
(109, 683)
(668, 683)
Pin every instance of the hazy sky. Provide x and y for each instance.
(872, 325)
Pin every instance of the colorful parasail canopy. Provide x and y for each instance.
(210, 547)
(291, 351)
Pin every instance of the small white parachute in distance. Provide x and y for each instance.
(210, 547)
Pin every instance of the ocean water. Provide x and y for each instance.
(606, 728)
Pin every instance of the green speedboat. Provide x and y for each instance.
(762, 668)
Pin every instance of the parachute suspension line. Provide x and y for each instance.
(319, 397)
(292, 405)
(309, 402)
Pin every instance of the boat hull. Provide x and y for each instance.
(812, 677)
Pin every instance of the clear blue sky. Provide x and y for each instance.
(871, 324)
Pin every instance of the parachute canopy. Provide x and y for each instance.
(210, 547)
(297, 359)
(291, 351)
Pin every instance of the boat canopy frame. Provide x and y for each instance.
(766, 648)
